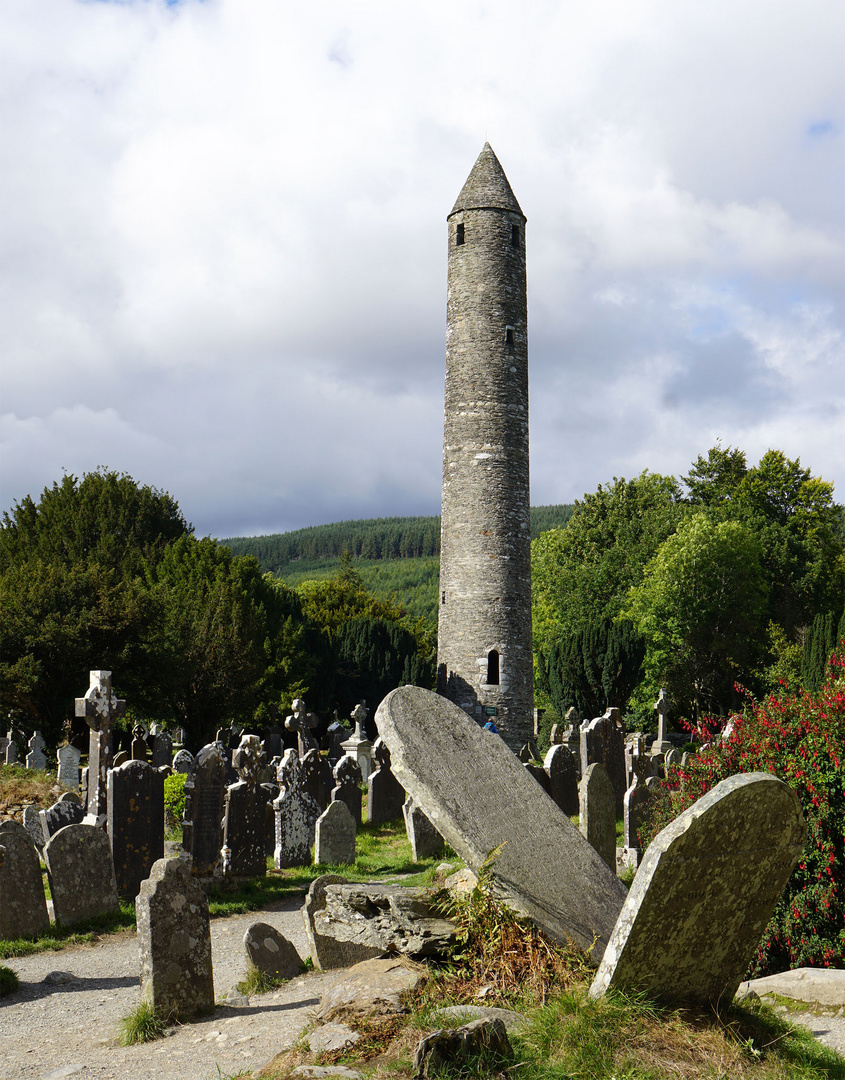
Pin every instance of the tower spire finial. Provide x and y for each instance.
(487, 187)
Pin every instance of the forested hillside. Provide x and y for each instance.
(373, 538)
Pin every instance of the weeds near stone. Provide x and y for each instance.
(8, 981)
(258, 982)
(142, 1025)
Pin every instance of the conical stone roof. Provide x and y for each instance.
(487, 187)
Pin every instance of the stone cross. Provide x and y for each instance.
(35, 758)
(358, 744)
(660, 744)
(303, 723)
(101, 708)
(248, 759)
(139, 742)
(348, 776)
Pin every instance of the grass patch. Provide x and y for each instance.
(83, 933)
(8, 981)
(142, 1025)
(258, 982)
(19, 786)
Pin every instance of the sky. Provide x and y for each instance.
(223, 241)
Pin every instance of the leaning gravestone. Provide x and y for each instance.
(598, 812)
(386, 795)
(348, 777)
(136, 823)
(67, 758)
(202, 827)
(424, 839)
(271, 953)
(81, 873)
(296, 815)
(704, 892)
(23, 907)
(174, 940)
(334, 836)
(561, 768)
(478, 796)
(245, 816)
(62, 813)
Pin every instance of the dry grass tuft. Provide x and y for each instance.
(20, 787)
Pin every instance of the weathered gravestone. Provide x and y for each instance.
(162, 750)
(271, 953)
(562, 771)
(478, 796)
(101, 708)
(136, 823)
(348, 777)
(661, 744)
(334, 836)
(603, 740)
(12, 747)
(174, 940)
(598, 812)
(385, 794)
(303, 723)
(296, 815)
(67, 758)
(81, 874)
(183, 761)
(704, 892)
(139, 742)
(202, 827)
(317, 777)
(245, 816)
(637, 799)
(424, 839)
(326, 953)
(333, 742)
(61, 813)
(32, 824)
(35, 758)
(23, 907)
(358, 745)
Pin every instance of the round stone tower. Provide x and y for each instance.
(484, 654)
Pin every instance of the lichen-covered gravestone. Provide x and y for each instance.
(385, 795)
(35, 758)
(245, 817)
(597, 806)
(136, 823)
(271, 952)
(603, 740)
(424, 839)
(317, 777)
(100, 707)
(61, 813)
(334, 836)
(23, 907)
(183, 761)
(67, 758)
(81, 873)
(348, 778)
(562, 771)
(704, 892)
(296, 816)
(32, 824)
(202, 827)
(477, 794)
(174, 940)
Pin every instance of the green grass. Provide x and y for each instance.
(8, 981)
(258, 982)
(59, 937)
(142, 1025)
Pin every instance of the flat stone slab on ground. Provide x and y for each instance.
(704, 892)
(371, 988)
(477, 794)
(818, 986)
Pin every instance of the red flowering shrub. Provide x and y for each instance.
(800, 738)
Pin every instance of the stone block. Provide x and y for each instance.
(23, 906)
(334, 836)
(81, 871)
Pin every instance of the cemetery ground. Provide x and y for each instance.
(64, 1019)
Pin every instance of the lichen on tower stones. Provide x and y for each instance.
(484, 661)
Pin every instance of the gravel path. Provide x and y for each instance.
(63, 1019)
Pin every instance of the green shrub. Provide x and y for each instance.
(142, 1025)
(8, 981)
(174, 795)
(799, 737)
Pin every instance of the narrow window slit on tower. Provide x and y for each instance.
(515, 236)
(443, 598)
(509, 335)
(459, 234)
(493, 668)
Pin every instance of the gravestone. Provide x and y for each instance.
(35, 758)
(661, 744)
(101, 708)
(67, 758)
(23, 906)
(385, 794)
(136, 823)
(162, 750)
(424, 839)
(275, 736)
(478, 796)
(704, 893)
(245, 816)
(562, 771)
(637, 798)
(4, 744)
(139, 742)
(358, 745)
(174, 940)
(334, 741)
(271, 953)
(59, 815)
(334, 836)
(32, 824)
(597, 802)
(672, 759)
(202, 827)
(183, 761)
(326, 953)
(348, 777)
(317, 777)
(539, 774)
(603, 740)
(81, 874)
(296, 815)
(120, 758)
(303, 723)
(12, 747)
